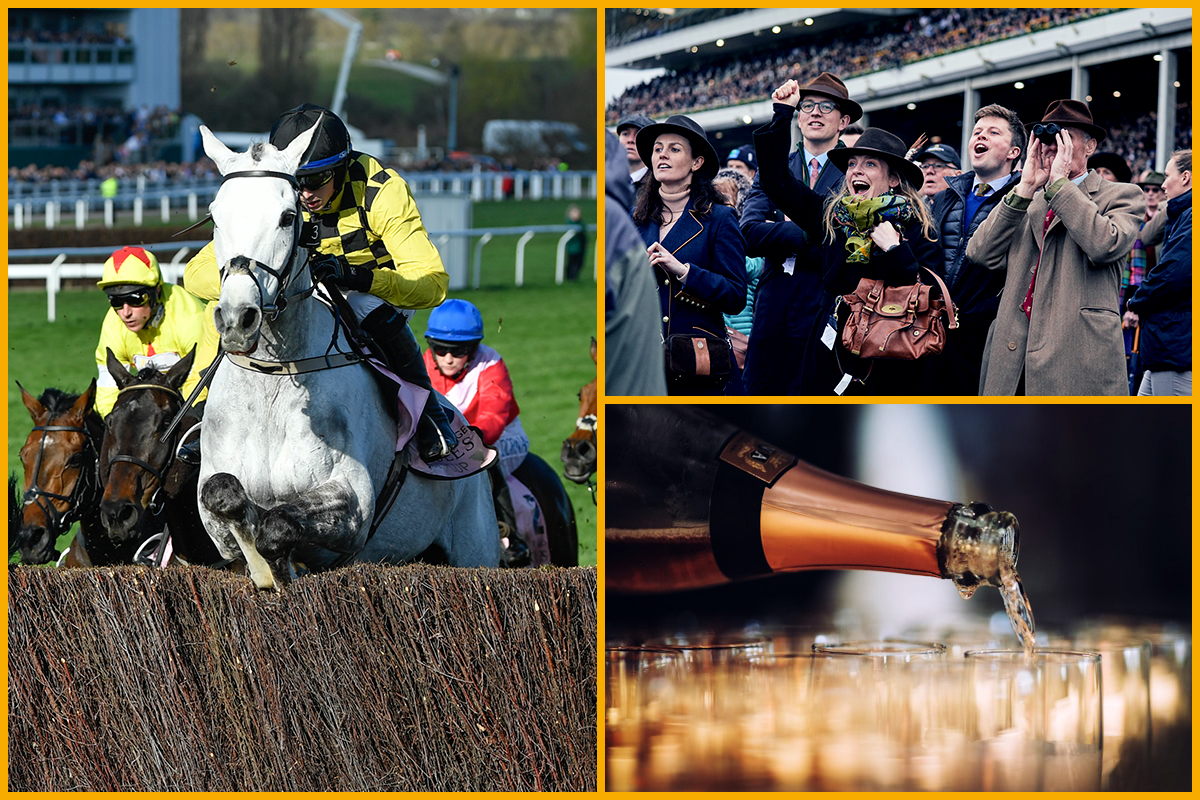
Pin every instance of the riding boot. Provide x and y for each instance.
(389, 330)
(517, 553)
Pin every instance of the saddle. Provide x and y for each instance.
(468, 458)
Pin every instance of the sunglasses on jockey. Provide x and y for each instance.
(447, 349)
(315, 180)
(132, 299)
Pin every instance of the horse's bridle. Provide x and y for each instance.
(244, 265)
(588, 423)
(157, 501)
(88, 482)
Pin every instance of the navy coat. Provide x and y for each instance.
(785, 306)
(1163, 300)
(715, 285)
(975, 290)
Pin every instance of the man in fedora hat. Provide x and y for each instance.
(789, 300)
(1061, 235)
(627, 131)
(994, 152)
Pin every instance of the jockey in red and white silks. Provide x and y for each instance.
(483, 391)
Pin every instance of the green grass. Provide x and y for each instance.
(498, 265)
(542, 330)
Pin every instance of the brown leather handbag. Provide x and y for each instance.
(740, 343)
(904, 322)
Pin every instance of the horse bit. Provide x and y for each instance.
(588, 423)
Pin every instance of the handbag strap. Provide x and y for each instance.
(953, 312)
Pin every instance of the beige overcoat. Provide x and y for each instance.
(1072, 343)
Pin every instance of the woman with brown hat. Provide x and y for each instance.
(874, 226)
(697, 252)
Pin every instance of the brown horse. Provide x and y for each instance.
(146, 488)
(579, 449)
(62, 483)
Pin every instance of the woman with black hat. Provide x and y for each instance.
(697, 252)
(874, 226)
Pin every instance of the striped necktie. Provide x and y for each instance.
(814, 169)
(1027, 305)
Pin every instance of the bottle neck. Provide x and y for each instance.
(806, 518)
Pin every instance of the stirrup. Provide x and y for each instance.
(189, 452)
(435, 445)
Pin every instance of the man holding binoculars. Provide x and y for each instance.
(1060, 234)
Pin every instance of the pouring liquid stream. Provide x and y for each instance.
(1016, 603)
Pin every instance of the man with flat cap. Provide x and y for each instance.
(937, 161)
(789, 299)
(1061, 235)
(627, 131)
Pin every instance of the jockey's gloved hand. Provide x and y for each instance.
(340, 272)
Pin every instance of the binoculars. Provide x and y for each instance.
(1046, 131)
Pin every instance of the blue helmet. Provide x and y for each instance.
(455, 321)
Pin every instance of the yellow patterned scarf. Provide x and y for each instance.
(857, 216)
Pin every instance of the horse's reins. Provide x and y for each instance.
(302, 233)
(76, 499)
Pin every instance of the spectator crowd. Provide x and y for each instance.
(881, 45)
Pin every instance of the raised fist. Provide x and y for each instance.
(788, 93)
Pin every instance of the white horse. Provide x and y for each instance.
(293, 462)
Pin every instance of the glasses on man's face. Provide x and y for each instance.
(131, 299)
(826, 106)
(934, 166)
(456, 350)
(1152, 189)
(316, 180)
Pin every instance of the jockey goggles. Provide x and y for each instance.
(315, 180)
(447, 349)
(131, 299)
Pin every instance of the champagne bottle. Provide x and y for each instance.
(692, 501)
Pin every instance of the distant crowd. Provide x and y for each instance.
(883, 45)
(42, 36)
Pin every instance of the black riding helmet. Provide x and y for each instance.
(330, 146)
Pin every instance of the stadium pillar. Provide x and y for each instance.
(1080, 80)
(970, 106)
(1164, 137)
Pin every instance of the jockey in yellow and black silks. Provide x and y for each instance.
(373, 244)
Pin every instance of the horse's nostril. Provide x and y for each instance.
(249, 319)
(219, 320)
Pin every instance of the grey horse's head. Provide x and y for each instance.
(256, 219)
